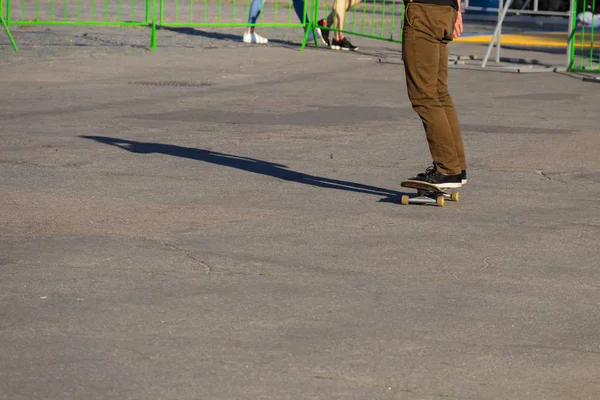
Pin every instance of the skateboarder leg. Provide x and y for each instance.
(429, 25)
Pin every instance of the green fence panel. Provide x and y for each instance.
(232, 13)
(585, 51)
(377, 19)
(227, 13)
(374, 19)
(82, 12)
(79, 12)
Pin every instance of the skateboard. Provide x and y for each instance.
(427, 193)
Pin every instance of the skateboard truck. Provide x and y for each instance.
(427, 194)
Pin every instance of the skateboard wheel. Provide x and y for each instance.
(440, 201)
(404, 200)
(454, 196)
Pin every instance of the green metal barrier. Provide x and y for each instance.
(377, 19)
(226, 13)
(374, 19)
(231, 13)
(584, 51)
(91, 12)
(57, 12)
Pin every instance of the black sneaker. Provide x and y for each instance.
(324, 32)
(463, 176)
(343, 44)
(436, 178)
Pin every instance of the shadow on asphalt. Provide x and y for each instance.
(248, 164)
(224, 36)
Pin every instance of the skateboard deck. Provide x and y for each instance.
(427, 193)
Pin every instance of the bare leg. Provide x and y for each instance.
(338, 14)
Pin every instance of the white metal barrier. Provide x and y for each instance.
(504, 8)
(552, 10)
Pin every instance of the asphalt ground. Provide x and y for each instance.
(220, 221)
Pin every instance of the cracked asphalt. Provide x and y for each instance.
(232, 229)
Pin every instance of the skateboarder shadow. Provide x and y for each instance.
(247, 164)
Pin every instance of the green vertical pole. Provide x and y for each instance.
(373, 6)
(403, 9)
(592, 35)
(393, 19)
(382, 33)
(10, 37)
(582, 40)
(313, 22)
(153, 34)
(363, 17)
(5, 23)
(572, 33)
(353, 19)
(572, 52)
(307, 27)
(161, 12)
(147, 20)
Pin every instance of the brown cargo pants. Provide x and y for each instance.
(427, 30)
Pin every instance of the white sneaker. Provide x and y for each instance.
(311, 36)
(254, 38)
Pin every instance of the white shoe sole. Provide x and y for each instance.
(334, 47)
(453, 185)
